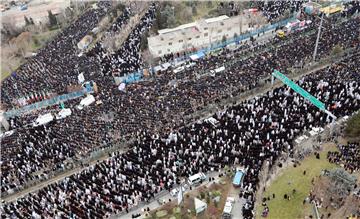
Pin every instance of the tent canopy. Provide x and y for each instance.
(87, 100)
(43, 119)
(199, 205)
(197, 55)
(63, 113)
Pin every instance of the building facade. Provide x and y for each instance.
(196, 35)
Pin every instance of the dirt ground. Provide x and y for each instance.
(205, 193)
(339, 206)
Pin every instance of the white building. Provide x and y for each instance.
(199, 34)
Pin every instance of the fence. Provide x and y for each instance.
(48, 102)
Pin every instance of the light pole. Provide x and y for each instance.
(318, 37)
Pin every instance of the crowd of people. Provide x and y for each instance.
(348, 156)
(153, 105)
(275, 9)
(128, 58)
(249, 134)
(254, 132)
(55, 66)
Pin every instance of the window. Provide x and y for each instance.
(219, 31)
(222, 23)
(197, 37)
(205, 28)
(180, 41)
(189, 38)
(170, 43)
(206, 34)
(162, 39)
(229, 29)
(168, 50)
(159, 51)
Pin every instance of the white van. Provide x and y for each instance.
(196, 179)
(228, 208)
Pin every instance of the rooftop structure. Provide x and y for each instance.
(195, 35)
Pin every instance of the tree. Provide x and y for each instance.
(171, 22)
(27, 21)
(336, 50)
(353, 126)
(235, 35)
(194, 10)
(52, 19)
(168, 14)
(223, 39)
(144, 41)
(32, 21)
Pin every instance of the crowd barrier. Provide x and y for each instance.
(48, 102)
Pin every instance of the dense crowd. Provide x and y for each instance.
(254, 132)
(153, 105)
(128, 58)
(348, 156)
(275, 9)
(54, 67)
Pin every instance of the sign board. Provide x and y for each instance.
(302, 92)
(298, 89)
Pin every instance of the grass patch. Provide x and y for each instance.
(293, 178)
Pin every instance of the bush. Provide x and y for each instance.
(216, 193)
(352, 129)
(336, 50)
(208, 199)
(36, 41)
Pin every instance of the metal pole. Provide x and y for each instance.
(318, 36)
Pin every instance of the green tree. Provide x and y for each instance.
(144, 41)
(36, 41)
(194, 10)
(353, 126)
(171, 22)
(52, 19)
(168, 15)
(336, 50)
(27, 21)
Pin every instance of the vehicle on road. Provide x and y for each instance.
(196, 179)
(229, 204)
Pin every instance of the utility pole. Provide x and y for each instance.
(318, 36)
